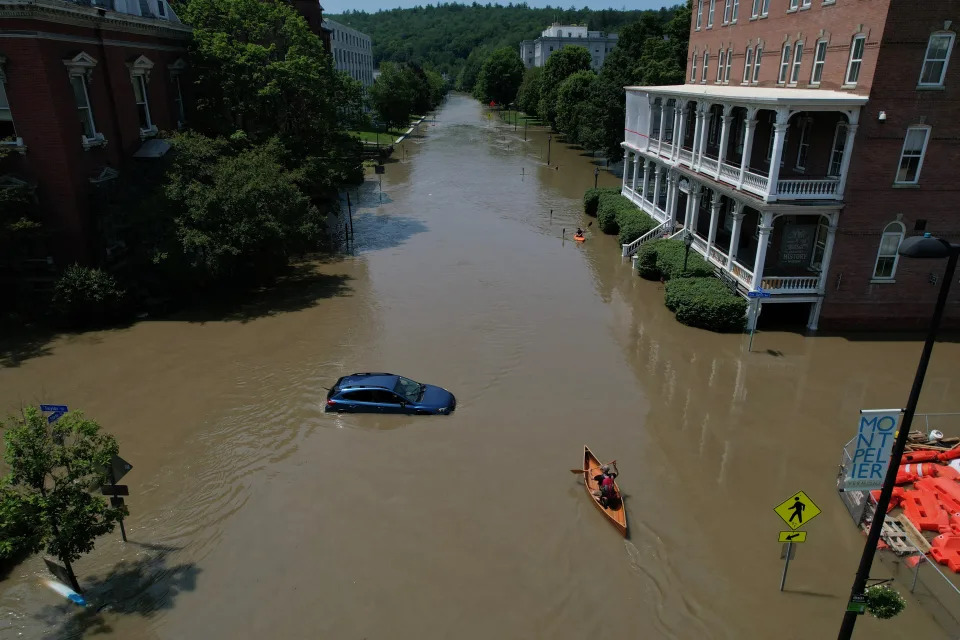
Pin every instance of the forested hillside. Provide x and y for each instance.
(444, 36)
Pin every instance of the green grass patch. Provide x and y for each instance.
(371, 136)
(508, 115)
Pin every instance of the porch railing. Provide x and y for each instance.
(700, 245)
(686, 157)
(632, 247)
(755, 183)
(708, 164)
(666, 149)
(730, 172)
(790, 284)
(808, 189)
(741, 273)
(718, 257)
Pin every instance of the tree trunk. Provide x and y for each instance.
(73, 578)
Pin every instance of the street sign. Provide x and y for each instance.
(857, 604)
(792, 536)
(116, 502)
(62, 408)
(875, 436)
(120, 467)
(115, 490)
(53, 417)
(797, 510)
(758, 293)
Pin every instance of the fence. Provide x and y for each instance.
(938, 591)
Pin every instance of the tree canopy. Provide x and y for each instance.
(500, 76)
(559, 66)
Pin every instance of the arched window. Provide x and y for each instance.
(887, 257)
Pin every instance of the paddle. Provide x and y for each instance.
(591, 468)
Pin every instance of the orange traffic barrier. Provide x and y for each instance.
(923, 456)
(947, 492)
(905, 478)
(948, 472)
(945, 549)
(924, 510)
(895, 499)
(946, 456)
(922, 470)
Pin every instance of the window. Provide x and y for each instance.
(726, 74)
(715, 123)
(669, 114)
(143, 106)
(794, 4)
(784, 63)
(747, 65)
(819, 245)
(804, 4)
(797, 57)
(836, 154)
(699, 13)
(7, 129)
(706, 64)
(736, 10)
(178, 102)
(726, 11)
(819, 56)
(693, 69)
(756, 8)
(721, 65)
(886, 266)
(713, 5)
(856, 58)
(359, 396)
(756, 63)
(911, 157)
(87, 127)
(803, 145)
(935, 61)
(766, 8)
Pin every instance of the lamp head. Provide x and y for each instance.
(925, 247)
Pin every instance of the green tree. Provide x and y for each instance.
(393, 95)
(470, 70)
(46, 497)
(573, 102)
(528, 96)
(560, 66)
(500, 76)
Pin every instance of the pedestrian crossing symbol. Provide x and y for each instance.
(797, 510)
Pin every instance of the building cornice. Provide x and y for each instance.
(62, 12)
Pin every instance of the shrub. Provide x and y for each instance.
(705, 303)
(591, 198)
(884, 602)
(634, 224)
(647, 261)
(84, 297)
(607, 206)
(670, 259)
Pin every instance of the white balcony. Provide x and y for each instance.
(790, 285)
(774, 143)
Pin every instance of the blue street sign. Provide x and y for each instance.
(54, 407)
(758, 294)
(53, 417)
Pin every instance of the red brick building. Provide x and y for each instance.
(810, 138)
(85, 87)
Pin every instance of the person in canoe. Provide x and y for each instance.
(605, 480)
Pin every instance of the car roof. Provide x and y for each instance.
(379, 380)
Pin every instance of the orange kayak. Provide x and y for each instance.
(615, 513)
(579, 238)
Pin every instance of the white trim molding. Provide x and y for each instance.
(81, 64)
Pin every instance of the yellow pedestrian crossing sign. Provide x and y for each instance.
(797, 510)
(793, 536)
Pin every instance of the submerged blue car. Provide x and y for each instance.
(388, 393)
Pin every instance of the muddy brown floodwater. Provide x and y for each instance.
(253, 514)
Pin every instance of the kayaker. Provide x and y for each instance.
(579, 232)
(608, 490)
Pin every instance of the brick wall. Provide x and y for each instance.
(836, 22)
(872, 199)
(45, 115)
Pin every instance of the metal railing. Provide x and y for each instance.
(938, 592)
(631, 248)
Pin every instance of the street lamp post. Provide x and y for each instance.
(925, 247)
(549, 140)
(596, 174)
(687, 242)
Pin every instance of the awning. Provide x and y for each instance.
(152, 148)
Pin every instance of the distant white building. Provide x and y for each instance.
(535, 52)
(352, 52)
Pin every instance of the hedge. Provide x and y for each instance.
(706, 303)
(591, 198)
(84, 297)
(669, 261)
(616, 214)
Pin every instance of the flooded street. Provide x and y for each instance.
(253, 514)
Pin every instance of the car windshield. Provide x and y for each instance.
(408, 389)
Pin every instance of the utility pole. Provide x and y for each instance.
(549, 141)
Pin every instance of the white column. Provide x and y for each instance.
(751, 126)
(724, 134)
(680, 131)
(827, 254)
(646, 179)
(626, 168)
(697, 133)
(814, 318)
(766, 226)
(695, 211)
(663, 121)
(779, 137)
(704, 134)
(735, 234)
(674, 203)
(714, 220)
(656, 186)
(677, 119)
(847, 154)
(670, 204)
(636, 169)
(688, 212)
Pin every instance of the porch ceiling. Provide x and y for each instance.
(774, 96)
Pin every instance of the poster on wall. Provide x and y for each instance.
(797, 243)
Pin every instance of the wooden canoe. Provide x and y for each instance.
(616, 513)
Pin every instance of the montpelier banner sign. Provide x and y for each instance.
(875, 436)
